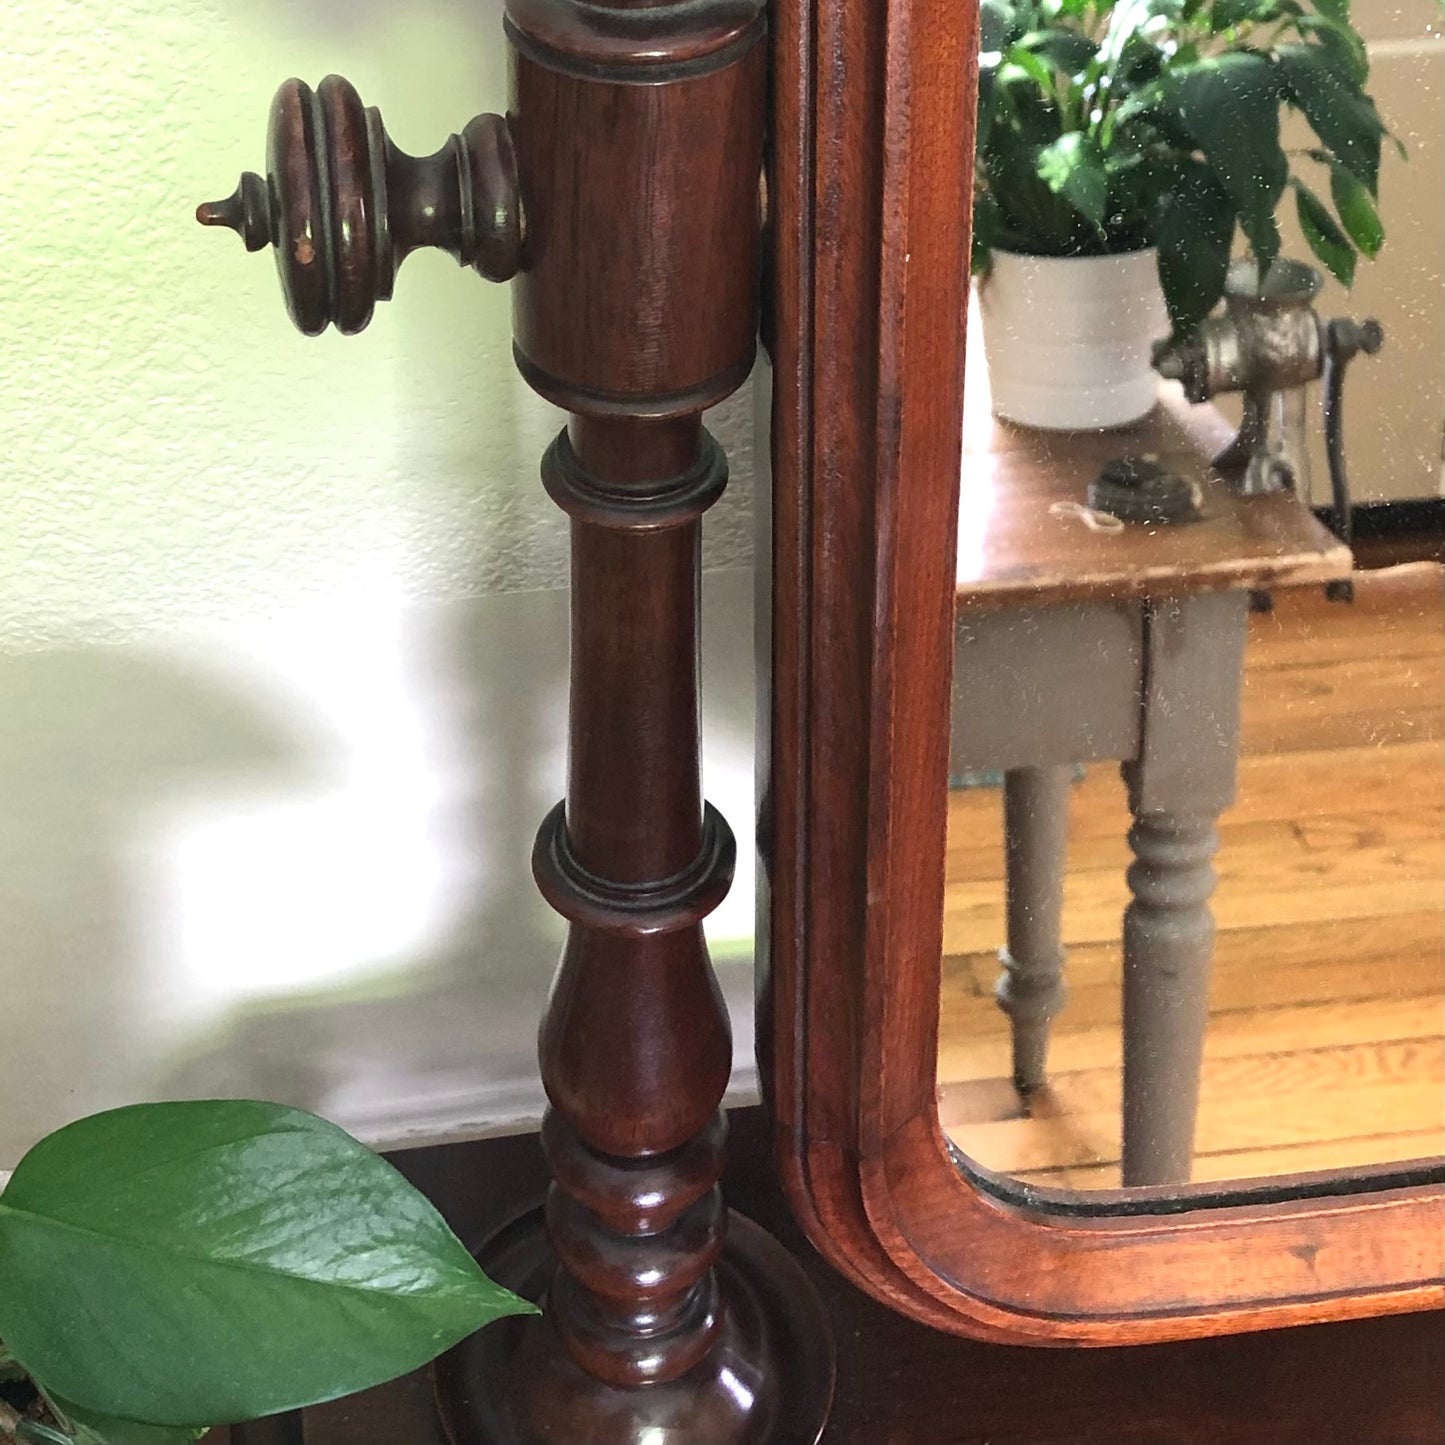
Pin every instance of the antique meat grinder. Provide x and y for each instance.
(1269, 343)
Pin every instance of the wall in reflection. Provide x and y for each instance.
(1398, 453)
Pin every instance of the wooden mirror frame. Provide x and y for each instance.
(870, 180)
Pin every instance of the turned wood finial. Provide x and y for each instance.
(343, 207)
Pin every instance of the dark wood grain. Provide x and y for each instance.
(623, 188)
(638, 137)
(343, 206)
(639, 293)
(869, 214)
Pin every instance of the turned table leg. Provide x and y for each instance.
(1168, 948)
(1181, 779)
(1030, 988)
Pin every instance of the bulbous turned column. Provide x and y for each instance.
(639, 143)
(1168, 950)
(620, 193)
(1030, 987)
(635, 1045)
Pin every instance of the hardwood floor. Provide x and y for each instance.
(1326, 1045)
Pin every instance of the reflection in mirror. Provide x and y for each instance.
(1221, 960)
(1109, 1016)
(1322, 1013)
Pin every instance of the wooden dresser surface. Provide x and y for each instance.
(1016, 544)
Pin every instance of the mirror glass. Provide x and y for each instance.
(1196, 857)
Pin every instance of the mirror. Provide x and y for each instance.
(867, 344)
(1110, 1017)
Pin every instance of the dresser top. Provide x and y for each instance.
(1017, 544)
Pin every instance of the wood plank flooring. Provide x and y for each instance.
(1326, 1045)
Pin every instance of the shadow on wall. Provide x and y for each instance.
(92, 740)
(439, 1042)
(209, 884)
(291, 860)
(204, 880)
(437, 1039)
(270, 767)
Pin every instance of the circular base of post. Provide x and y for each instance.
(767, 1381)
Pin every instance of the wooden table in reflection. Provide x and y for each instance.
(1076, 645)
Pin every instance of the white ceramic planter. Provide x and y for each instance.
(1067, 339)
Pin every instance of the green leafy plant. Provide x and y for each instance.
(1107, 126)
(166, 1267)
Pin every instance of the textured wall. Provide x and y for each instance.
(282, 663)
(1395, 403)
(173, 450)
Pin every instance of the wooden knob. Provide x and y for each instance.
(343, 207)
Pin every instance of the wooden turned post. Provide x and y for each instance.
(1182, 778)
(1030, 988)
(639, 146)
(635, 1045)
(1168, 949)
(621, 193)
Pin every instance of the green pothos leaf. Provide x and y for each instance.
(90, 1427)
(1073, 167)
(1194, 235)
(1230, 105)
(995, 25)
(1356, 210)
(1034, 66)
(33, 1432)
(1230, 14)
(1342, 115)
(221, 1260)
(1064, 50)
(1341, 46)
